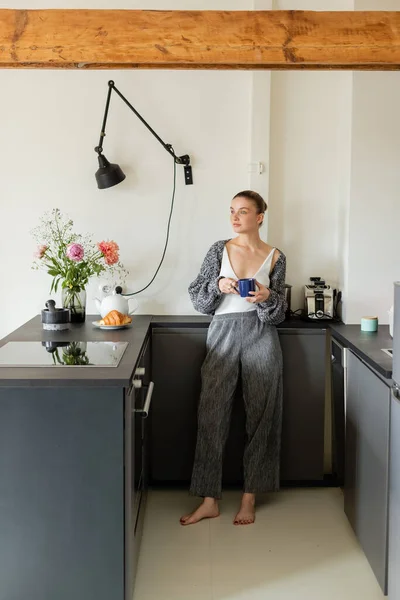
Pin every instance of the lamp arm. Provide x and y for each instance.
(99, 148)
(181, 160)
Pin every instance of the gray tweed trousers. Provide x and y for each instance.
(240, 342)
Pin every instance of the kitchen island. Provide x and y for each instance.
(71, 501)
(69, 525)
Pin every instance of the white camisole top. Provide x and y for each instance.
(232, 303)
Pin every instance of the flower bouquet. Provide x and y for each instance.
(72, 259)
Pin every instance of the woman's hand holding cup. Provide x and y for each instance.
(261, 295)
(228, 285)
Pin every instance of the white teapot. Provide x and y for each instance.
(114, 301)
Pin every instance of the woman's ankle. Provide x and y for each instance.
(248, 497)
(210, 500)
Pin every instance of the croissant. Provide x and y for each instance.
(114, 317)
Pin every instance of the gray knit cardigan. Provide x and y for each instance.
(206, 295)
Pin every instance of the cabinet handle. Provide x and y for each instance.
(345, 359)
(144, 412)
(345, 363)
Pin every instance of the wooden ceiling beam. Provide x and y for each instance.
(132, 39)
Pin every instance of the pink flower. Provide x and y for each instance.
(41, 250)
(110, 251)
(75, 252)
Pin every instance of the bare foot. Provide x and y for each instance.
(247, 513)
(207, 510)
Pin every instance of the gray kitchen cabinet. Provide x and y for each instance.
(177, 356)
(62, 482)
(394, 501)
(367, 462)
(72, 492)
(304, 365)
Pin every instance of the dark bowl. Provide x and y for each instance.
(58, 316)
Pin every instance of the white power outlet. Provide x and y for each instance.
(255, 167)
(107, 287)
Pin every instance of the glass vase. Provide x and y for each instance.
(75, 300)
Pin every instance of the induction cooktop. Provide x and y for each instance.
(62, 354)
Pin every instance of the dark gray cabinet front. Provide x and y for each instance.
(177, 356)
(367, 463)
(394, 501)
(62, 493)
(304, 360)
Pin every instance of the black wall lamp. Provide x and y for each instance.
(109, 174)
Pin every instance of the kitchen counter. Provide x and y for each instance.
(73, 376)
(367, 345)
(85, 332)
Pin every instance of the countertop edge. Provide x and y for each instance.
(369, 360)
(146, 324)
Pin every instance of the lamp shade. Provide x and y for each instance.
(108, 174)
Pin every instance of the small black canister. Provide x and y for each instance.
(55, 319)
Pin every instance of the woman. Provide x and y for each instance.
(242, 336)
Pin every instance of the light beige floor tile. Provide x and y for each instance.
(300, 548)
(152, 591)
(165, 565)
(346, 579)
(292, 576)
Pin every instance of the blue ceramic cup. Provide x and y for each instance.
(245, 286)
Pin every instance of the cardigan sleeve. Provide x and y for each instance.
(273, 310)
(204, 291)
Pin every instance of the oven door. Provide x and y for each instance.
(143, 395)
(140, 411)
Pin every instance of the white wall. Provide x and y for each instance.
(334, 177)
(313, 5)
(309, 142)
(374, 208)
(376, 4)
(50, 122)
(374, 218)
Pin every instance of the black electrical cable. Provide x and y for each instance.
(166, 241)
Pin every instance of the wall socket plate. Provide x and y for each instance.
(255, 167)
(107, 288)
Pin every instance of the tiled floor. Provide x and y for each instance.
(300, 548)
